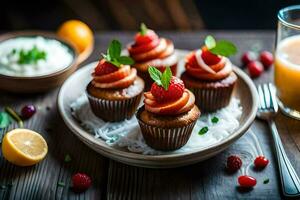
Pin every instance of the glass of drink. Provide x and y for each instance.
(287, 61)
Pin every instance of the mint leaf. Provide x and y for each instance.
(210, 42)
(203, 130)
(214, 120)
(114, 49)
(4, 120)
(143, 29)
(224, 48)
(155, 74)
(266, 181)
(125, 60)
(166, 78)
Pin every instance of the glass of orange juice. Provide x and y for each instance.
(287, 61)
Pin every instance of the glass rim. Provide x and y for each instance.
(285, 22)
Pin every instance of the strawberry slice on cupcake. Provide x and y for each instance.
(148, 49)
(209, 74)
(169, 114)
(115, 90)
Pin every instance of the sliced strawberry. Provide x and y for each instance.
(123, 83)
(143, 39)
(190, 104)
(217, 67)
(137, 49)
(209, 58)
(174, 92)
(148, 95)
(105, 67)
(168, 108)
(117, 75)
(191, 60)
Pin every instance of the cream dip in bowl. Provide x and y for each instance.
(35, 61)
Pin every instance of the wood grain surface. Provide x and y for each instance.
(112, 180)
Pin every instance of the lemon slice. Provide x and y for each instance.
(24, 147)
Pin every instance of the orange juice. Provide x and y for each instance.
(287, 72)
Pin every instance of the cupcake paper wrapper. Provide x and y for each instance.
(113, 111)
(166, 139)
(212, 99)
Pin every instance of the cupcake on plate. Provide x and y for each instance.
(169, 114)
(115, 90)
(209, 74)
(150, 50)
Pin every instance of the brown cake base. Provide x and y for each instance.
(167, 132)
(210, 95)
(115, 104)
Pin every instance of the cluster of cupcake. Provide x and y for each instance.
(171, 105)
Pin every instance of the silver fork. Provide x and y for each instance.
(267, 110)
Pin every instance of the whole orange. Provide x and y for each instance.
(78, 33)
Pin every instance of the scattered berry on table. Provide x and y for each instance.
(234, 163)
(261, 162)
(28, 111)
(247, 57)
(266, 58)
(255, 69)
(247, 181)
(81, 182)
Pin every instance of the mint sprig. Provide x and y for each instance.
(203, 130)
(161, 79)
(221, 47)
(114, 57)
(143, 29)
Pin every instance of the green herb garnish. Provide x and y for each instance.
(4, 120)
(266, 181)
(221, 47)
(61, 184)
(161, 79)
(67, 158)
(14, 115)
(214, 120)
(143, 29)
(31, 56)
(114, 55)
(203, 130)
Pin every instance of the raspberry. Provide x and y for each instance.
(234, 163)
(266, 58)
(105, 67)
(174, 92)
(81, 182)
(209, 58)
(261, 162)
(255, 68)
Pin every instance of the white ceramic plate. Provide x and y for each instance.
(75, 86)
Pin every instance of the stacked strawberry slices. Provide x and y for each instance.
(150, 50)
(209, 74)
(169, 114)
(115, 90)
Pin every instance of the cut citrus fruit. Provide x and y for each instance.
(78, 33)
(24, 147)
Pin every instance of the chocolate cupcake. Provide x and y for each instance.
(169, 114)
(150, 50)
(115, 90)
(209, 74)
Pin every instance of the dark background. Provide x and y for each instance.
(128, 14)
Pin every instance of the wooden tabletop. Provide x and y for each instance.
(112, 180)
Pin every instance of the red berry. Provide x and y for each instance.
(234, 163)
(266, 58)
(147, 38)
(255, 68)
(81, 182)
(247, 181)
(209, 58)
(28, 111)
(105, 67)
(247, 57)
(174, 92)
(261, 162)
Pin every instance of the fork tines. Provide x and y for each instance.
(267, 97)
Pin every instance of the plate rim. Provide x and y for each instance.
(108, 150)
